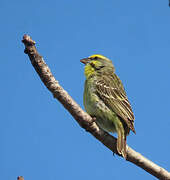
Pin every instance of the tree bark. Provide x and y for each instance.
(20, 178)
(84, 120)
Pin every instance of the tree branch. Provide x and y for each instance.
(20, 178)
(84, 120)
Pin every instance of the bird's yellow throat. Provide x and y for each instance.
(89, 69)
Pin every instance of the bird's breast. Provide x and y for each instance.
(97, 108)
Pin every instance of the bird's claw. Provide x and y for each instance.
(93, 119)
(91, 123)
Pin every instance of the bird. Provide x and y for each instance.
(106, 101)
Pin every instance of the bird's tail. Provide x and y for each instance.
(121, 139)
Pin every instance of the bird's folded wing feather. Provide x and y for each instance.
(111, 91)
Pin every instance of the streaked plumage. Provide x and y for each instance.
(106, 100)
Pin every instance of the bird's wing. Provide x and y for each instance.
(111, 91)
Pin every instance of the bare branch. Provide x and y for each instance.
(82, 117)
(20, 178)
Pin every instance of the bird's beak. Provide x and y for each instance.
(85, 60)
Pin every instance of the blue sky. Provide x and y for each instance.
(38, 137)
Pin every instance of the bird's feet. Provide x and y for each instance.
(93, 119)
(91, 123)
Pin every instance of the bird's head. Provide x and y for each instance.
(97, 64)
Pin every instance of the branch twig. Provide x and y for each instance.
(82, 117)
(20, 178)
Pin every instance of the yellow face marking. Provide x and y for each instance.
(98, 55)
(91, 67)
(89, 70)
(95, 62)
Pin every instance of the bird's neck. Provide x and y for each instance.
(89, 71)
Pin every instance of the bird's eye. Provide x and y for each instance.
(95, 58)
(93, 65)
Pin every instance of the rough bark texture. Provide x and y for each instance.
(84, 120)
(20, 178)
